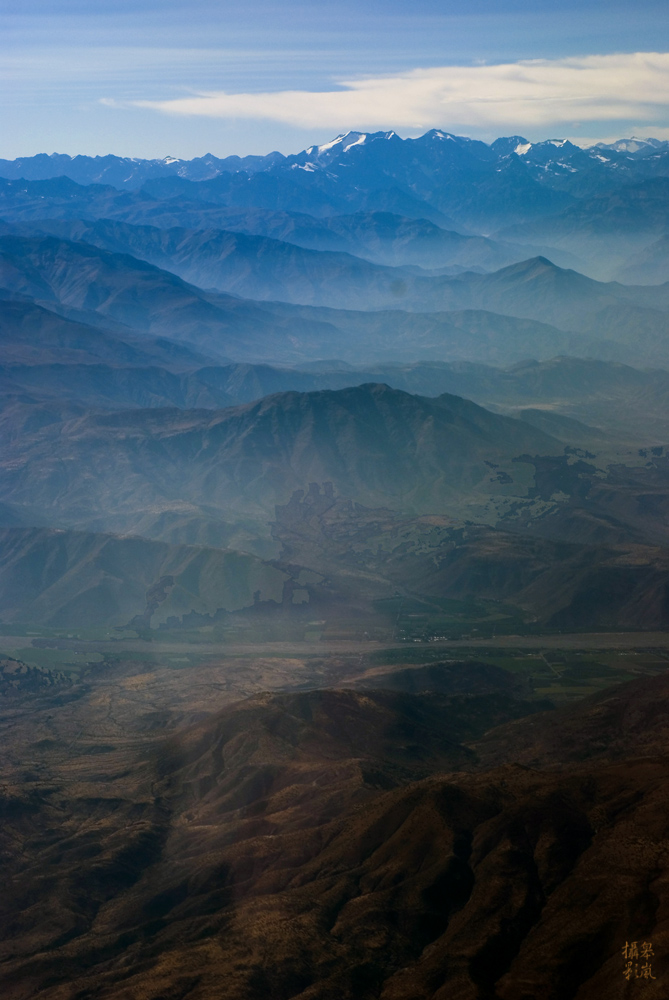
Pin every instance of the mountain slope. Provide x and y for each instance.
(31, 334)
(72, 579)
(347, 845)
(250, 266)
(373, 443)
(120, 288)
(610, 231)
(260, 268)
(382, 237)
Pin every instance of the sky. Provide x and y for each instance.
(152, 78)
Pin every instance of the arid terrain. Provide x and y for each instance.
(429, 820)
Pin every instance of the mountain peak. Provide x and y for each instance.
(533, 265)
(438, 133)
(346, 140)
(633, 144)
(511, 144)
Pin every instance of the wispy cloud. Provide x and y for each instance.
(512, 96)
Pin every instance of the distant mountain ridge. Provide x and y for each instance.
(128, 171)
(476, 184)
(144, 345)
(642, 155)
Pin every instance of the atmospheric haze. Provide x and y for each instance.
(334, 576)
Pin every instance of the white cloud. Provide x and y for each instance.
(522, 95)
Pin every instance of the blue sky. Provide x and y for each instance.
(159, 77)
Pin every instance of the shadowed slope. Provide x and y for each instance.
(290, 852)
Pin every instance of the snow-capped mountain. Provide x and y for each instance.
(129, 171)
(453, 181)
(635, 157)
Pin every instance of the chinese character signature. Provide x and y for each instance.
(637, 955)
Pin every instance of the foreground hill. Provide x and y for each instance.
(345, 846)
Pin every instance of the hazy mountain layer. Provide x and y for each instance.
(616, 400)
(378, 236)
(250, 266)
(382, 237)
(120, 289)
(374, 443)
(110, 387)
(46, 356)
(649, 265)
(613, 232)
(270, 269)
(31, 334)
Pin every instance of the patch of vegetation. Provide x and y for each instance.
(585, 670)
(558, 675)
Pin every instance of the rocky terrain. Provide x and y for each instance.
(351, 843)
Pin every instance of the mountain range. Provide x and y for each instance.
(169, 380)
(116, 287)
(146, 323)
(555, 195)
(334, 562)
(556, 166)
